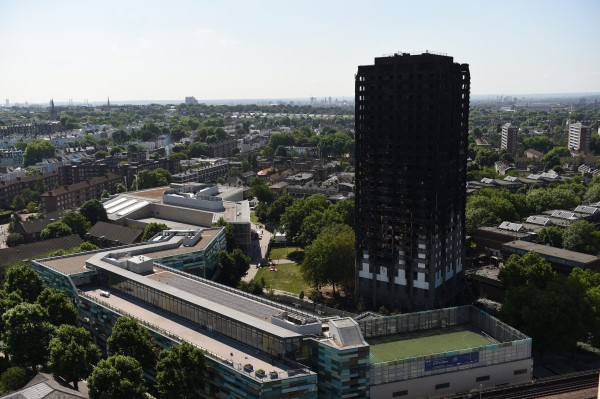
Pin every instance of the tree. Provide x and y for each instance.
(19, 202)
(129, 339)
(551, 235)
(153, 178)
(229, 234)
(27, 334)
(22, 280)
(7, 302)
(100, 154)
(538, 142)
(180, 372)
(340, 213)
(232, 266)
(55, 230)
(281, 151)
(118, 377)
(242, 263)
(529, 269)
(76, 222)
(93, 211)
(196, 150)
(12, 379)
(330, 258)
(72, 354)
(32, 207)
(153, 229)
(177, 155)
(14, 239)
(542, 199)
(58, 305)
(274, 211)
(580, 236)
(116, 150)
(554, 317)
(120, 137)
(592, 194)
(87, 246)
(261, 190)
(590, 280)
(294, 215)
(36, 151)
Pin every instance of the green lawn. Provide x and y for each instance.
(254, 218)
(291, 253)
(420, 343)
(287, 278)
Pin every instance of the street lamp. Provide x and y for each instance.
(480, 389)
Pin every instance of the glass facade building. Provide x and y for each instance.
(256, 348)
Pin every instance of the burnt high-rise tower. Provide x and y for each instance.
(412, 114)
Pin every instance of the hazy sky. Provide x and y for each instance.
(218, 49)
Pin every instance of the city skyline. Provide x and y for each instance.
(150, 50)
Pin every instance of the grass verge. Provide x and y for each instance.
(287, 278)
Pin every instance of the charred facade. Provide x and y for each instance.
(411, 153)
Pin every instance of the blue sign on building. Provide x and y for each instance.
(451, 361)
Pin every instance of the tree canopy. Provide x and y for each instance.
(529, 269)
(152, 178)
(72, 354)
(152, 229)
(180, 372)
(36, 151)
(27, 334)
(229, 234)
(556, 311)
(76, 222)
(93, 211)
(233, 266)
(22, 280)
(128, 338)
(118, 377)
(55, 230)
(58, 305)
(330, 258)
(581, 236)
(261, 190)
(293, 217)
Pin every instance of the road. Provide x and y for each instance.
(258, 250)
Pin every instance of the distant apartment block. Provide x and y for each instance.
(74, 195)
(191, 100)
(579, 137)
(10, 189)
(128, 170)
(207, 173)
(509, 138)
(221, 149)
(31, 129)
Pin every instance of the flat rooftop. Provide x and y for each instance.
(202, 293)
(426, 342)
(215, 294)
(226, 348)
(551, 251)
(76, 264)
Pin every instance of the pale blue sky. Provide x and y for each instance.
(134, 50)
